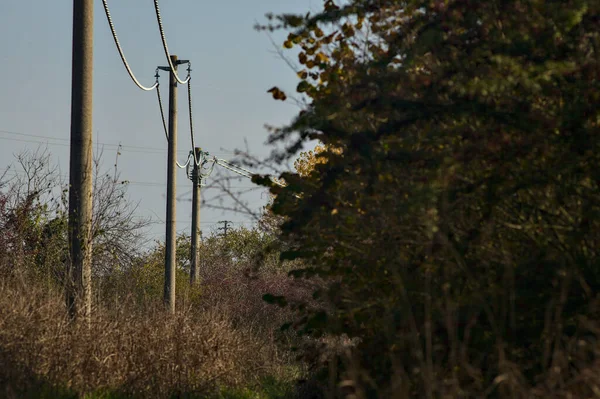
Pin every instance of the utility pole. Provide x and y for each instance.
(79, 276)
(195, 248)
(226, 226)
(171, 233)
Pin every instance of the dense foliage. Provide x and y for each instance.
(456, 223)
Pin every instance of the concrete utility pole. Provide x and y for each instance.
(171, 233)
(79, 284)
(195, 249)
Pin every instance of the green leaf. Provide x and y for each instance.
(303, 86)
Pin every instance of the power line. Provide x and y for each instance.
(116, 146)
(205, 222)
(133, 182)
(35, 141)
(189, 91)
(160, 106)
(192, 153)
(171, 69)
(129, 148)
(166, 48)
(125, 63)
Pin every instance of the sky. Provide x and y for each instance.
(232, 68)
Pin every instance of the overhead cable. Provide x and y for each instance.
(243, 172)
(164, 42)
(234, 168)
(125, 63)
(212, 167)
(229, 166)
(246, 173)
(187, 162)
(145, 150)
(189, 90)
(162, 111)
(191, 154)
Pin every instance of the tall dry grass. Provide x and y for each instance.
(139, 353)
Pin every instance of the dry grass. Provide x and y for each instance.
(148, 354)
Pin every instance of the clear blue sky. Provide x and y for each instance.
(233, 66)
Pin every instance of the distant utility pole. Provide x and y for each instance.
(226, 227)
(79, 276)
(195, 249)
(171, 233)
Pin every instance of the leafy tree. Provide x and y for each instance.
(457, 226)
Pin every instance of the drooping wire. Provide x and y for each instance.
(189, 90)
(121, 53)
(212, 167)
(166, 48)
(186, 164)
(162, 112)
(164, 121)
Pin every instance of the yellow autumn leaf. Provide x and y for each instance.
(322, 57)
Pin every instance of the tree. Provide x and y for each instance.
(31, 193)
(117, 232)
(461, 213)
(34, 218)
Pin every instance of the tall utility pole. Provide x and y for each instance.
(171, 233)
(79, 284)
(195, 255)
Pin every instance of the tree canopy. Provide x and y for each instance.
(457, 224)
